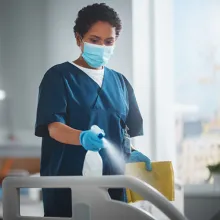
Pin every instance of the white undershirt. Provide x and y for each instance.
(96, 75)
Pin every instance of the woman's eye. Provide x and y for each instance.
(94, 41)
(109, 43)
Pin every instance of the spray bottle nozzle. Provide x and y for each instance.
(100, 136)
(99, 131)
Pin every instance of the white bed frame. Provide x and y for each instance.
(91, 200)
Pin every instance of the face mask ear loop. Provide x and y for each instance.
(82, 41)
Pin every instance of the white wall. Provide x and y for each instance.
(23, 61)
(3, 124)
(38, 34)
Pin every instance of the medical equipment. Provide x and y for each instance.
(93, 165)
(90, 200)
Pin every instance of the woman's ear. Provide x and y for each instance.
(78, 39)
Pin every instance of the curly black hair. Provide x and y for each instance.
(91, 14)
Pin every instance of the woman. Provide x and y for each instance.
(73, 96)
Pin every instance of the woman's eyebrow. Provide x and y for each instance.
(110, 38)
(95, 36)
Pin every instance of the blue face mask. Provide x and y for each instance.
(95, 55)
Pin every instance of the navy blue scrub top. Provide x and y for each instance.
(69, 96)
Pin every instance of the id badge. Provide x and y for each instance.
(127, 142)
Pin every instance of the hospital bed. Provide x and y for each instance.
(91, 200)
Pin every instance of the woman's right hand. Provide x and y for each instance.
(90, 140)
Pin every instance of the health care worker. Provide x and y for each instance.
(73, 96)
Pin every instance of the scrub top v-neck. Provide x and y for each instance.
(96, 74)
(69, 96)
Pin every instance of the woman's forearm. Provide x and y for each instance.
(64, 134)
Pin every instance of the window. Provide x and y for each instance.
(197, 87)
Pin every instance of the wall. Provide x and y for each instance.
(3, 123)
(23, 61)
(1, 103)
(38, 34)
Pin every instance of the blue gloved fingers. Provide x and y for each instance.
(147, 163)
(90, 141)
(96, 142)
(137, 156)
(94, 137)
(95, 149)
(92, 148)
(148, 166)
(134, 157)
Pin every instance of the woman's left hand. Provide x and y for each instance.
(137, 156)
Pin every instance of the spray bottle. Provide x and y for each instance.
(93, 165)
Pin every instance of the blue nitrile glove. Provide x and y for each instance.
(92, 139)
(137, 156)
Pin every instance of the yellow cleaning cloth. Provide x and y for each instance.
(161, 178)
